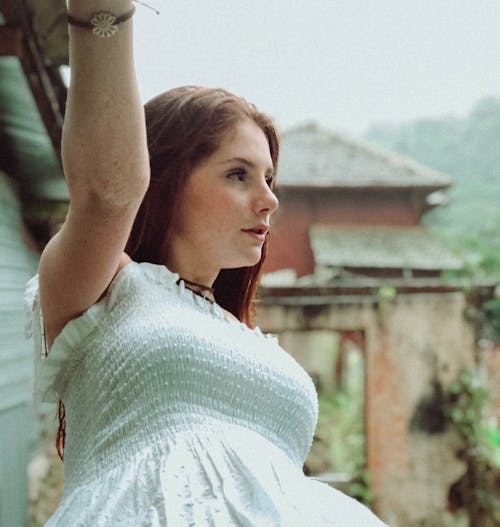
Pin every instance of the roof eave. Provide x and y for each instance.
(337, 185)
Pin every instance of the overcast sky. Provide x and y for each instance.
(343, 63)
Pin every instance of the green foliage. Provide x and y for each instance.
(386, 293)
(492, 438)
(477, 492)
(359, 487)
(492, 312)
(340, 426)
(339, 444)
(465, 407)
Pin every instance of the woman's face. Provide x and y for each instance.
(225, 206)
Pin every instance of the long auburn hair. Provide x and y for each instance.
(185, 126)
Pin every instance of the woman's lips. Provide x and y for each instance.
(258, 236)
(258, 233)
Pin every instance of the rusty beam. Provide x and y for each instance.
(11, 41)
(370, 289)
(19, 38)
(11, 10)
(42, 82)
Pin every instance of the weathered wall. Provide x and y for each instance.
(290, 247)
(301, 208)
(321, 363)
(415, 345)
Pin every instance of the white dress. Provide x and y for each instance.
(178, 416)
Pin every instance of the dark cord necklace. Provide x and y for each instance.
(206, 292)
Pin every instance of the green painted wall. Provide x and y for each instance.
(17, 423)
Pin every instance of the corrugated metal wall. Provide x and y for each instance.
(17, 424)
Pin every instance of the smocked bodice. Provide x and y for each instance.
(153, 358)
(179, 416)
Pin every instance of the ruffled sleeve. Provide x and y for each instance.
(52, 371)
(51, 368)
(34, 329)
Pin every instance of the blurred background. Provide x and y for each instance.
(383, 271)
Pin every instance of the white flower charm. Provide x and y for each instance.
(104, 24)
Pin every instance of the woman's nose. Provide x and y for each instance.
(267, 201)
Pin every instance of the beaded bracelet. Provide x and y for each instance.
(103, 24)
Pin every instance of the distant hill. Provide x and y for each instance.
(468, 150)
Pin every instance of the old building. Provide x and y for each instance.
(350, 257)
(346, 206)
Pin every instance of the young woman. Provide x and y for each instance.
(174, 410)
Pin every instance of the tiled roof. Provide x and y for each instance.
(311, 155)
(380, 247)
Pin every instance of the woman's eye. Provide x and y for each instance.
(238, 175)
(269, 181)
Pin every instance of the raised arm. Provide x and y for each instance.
(105, 163)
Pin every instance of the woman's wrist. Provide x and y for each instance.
(84, 9)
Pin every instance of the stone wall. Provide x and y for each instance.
(415, 345)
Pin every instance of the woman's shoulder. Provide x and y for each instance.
(124, 260)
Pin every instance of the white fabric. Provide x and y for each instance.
(178, 416)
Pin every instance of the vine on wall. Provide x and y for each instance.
(478, 491)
